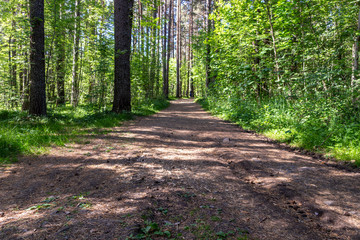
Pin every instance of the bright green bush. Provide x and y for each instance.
(316, 125)
(21, 134)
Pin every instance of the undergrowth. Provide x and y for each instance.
(24, 134)
(318, 125)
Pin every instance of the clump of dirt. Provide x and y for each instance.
(180, 174)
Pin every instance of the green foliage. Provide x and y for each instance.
(150, 229)
(41, 206)
(201, 230)
(151, 106)
(284, 68)
(21, 134)
(317, 125)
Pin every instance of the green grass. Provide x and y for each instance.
(318, 125)
(22, 134)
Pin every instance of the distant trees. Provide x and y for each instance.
(267, 49)
(78, 64)
(177, 48)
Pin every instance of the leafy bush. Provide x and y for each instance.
(21, 134)
(315, 124)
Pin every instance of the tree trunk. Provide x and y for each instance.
(188, 88)
(256, 67)
(170, 36)
(269, 13)
(140, 28)
(190, 47)
(153, 64)
(60, 65)
(75, 77)
(60, 71)
(158, 56)
(168, 49)
(178, 51)
(26, 84)
(37, 59)
(13, 69)
(355, 55)
(208, 47)
(165, 86)
(122, 81)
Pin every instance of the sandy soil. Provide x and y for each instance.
(180, 172)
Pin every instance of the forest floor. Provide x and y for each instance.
(179, 174)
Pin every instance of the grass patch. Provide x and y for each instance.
(23, 134)
(318, 125)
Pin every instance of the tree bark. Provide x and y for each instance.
(190, 47)
(13, 68)
(37, 59)
(26, 84)
(122, 82)
(355, 55)
(168, 50)
(178, 51)
(269, 13)
(164, 60)
(158, 54)
(75, 77)
(208, 47)
(153, 64)
(60, 65)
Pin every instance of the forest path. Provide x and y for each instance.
(190, 173)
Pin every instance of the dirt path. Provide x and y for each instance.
(180, 172)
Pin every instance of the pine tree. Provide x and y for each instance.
(37, 59)
(122, 82)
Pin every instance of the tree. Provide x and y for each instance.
(75, 69)
(178, 50)
(208, 46)
(190, 53)
(167, 50)
(37, 59)
(123, 26)
(355, 55)
(269, 14)
(60, 63)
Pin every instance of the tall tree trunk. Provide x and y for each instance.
(272, 32)
(188, 90)
(256, 67)
(178, 49)
(60, 78)
(164, 60)
(26, 84)
(153, 63)
(12, 65)
(169, 41)
(141, 28)
(122, 81)
(60, 64)
(208, 47)
(190, 47)
(37, 59)
(13, 69)
(355, 55)
(187, 63)
(168, 49)
(158, 54)
(75, 74)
